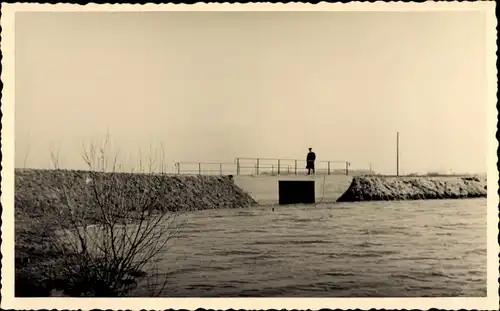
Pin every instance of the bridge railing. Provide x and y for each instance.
(261, 166)
(276, 166)
(205, 168)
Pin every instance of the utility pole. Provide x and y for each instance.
(397, 154)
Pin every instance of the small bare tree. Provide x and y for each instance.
(115, 227)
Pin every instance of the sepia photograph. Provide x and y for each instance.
(260, 153)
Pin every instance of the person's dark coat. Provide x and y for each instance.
(311, 157)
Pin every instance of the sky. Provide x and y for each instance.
(213, 86)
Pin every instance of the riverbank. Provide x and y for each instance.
(39, 196)
(414, 188)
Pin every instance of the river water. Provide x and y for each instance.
(371, 249)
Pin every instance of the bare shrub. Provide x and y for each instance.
(115, 228)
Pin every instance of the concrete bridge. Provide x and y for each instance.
(264, 189)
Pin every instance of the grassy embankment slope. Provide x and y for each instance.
(414, 188)
(37, 192)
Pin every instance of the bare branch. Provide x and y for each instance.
(54, 157)
(26, 156)
(130, 225)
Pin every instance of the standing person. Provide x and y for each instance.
(311, 157)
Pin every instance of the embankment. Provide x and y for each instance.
(36, 189)
(40, 194)
(414, 188)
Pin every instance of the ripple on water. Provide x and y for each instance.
(378, 249)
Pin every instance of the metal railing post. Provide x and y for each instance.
(199, 168)
(295, 167)
(257, 167)
(278, 166)
(347, 168)
(237, 166)
(328, 167)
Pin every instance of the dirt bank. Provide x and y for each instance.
(37, 192)
(35, 189)
(413, 188)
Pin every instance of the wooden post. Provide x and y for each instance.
(278, 166)
(328, 167)
(347, 168)
(237, 166)
(220, 167)
(199, 168)
(295, 167)
(257, 167)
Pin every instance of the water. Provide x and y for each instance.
(382, 249)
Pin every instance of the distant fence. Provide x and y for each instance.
(262, 166)
(208, 168)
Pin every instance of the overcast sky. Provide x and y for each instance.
(214, 86)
